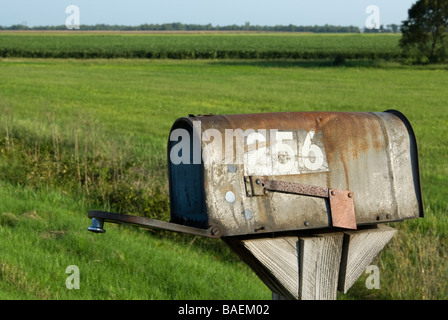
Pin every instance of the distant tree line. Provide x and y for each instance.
(177, 26)
(390, 28)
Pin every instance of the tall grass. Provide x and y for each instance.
(49, 178)
(83, 162)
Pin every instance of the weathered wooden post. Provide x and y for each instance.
(301, 197)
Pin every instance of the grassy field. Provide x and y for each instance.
(82, 134)
(43, 232)
(198, 46)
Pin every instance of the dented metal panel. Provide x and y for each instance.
(372, 155)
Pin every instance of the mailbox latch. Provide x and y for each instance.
(341, 201)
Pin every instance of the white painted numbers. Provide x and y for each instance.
(312, 154)
(262, 152)
(284, 152)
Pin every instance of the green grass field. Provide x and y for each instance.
(92, 133)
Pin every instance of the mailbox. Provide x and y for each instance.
(246, 174)
(259, 180)
(256, 173)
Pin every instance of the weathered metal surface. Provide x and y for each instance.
(295, 188)
(342, 209)
(372, 154)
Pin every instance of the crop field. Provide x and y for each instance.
(81, 134)
(199, 46)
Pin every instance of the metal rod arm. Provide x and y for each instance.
(211, 232)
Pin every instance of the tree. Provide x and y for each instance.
(393, 27)
(425, 31)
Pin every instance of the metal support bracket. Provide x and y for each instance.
(341, 201)
(99, 217)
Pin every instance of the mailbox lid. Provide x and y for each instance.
(374, 155)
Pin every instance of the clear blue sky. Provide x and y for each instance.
(216, 12)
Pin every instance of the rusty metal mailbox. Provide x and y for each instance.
(259, 180)
(255, 173)
(246, 174)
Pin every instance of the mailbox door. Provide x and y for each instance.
(186, 179)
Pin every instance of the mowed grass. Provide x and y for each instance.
(198, 46)
(44, 232)
(136, 101)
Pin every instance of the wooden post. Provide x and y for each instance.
(274, 260)
(320, 258)
(360, 248)
(276, 296)
(312, 267)
(295, 268)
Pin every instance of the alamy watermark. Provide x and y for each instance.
(72, 281)
(261, 151)
(73, 20)
(373, 20)
(373, 280)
